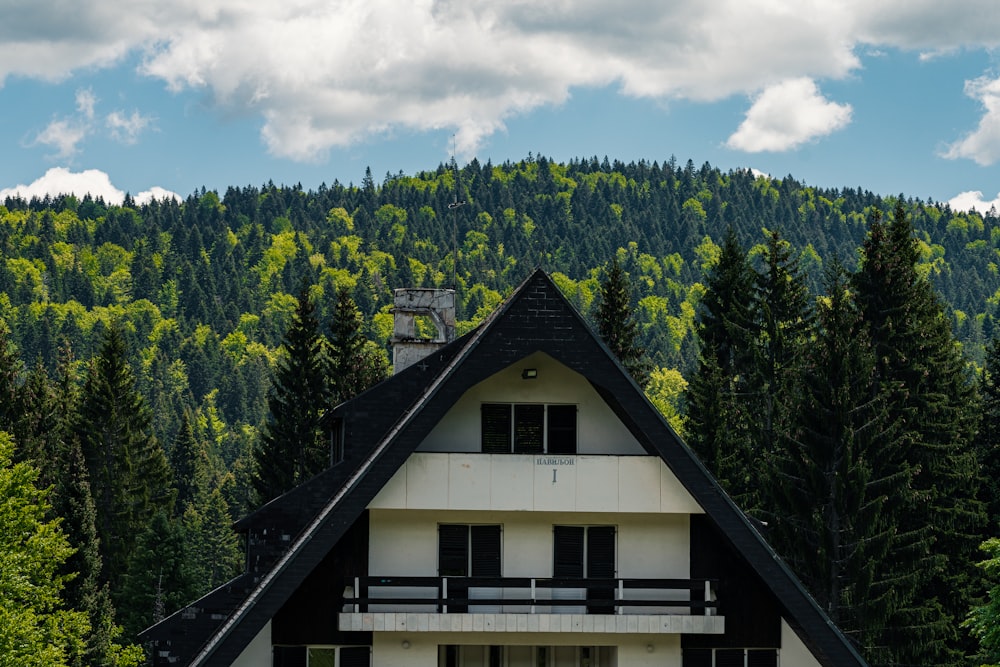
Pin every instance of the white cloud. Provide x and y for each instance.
(61, 181)
(127, 128)
(787, 115)
(85, 101)
(327, 73)
(983, 143)
(63, 134)
(972, 200)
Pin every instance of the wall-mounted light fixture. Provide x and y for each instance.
(649, 648)
(406, 643)
(529, 374)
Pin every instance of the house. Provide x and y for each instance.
(509, 498)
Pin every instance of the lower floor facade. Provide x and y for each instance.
(556, 649)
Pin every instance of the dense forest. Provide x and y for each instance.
(155, 332)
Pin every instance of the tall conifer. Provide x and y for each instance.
(355, 365)
(720, 416)
(292, 445)
(616, 326)
(129, 474)
(932, 399)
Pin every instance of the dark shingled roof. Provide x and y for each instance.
(387, 423)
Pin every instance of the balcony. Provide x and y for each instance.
(518, 604)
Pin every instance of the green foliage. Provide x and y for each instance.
(984, 620)
(35, 627)
(616, 325)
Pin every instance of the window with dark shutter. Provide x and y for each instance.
(529, 429)
(762, 658)
(355, 656)
(485, 551)
(453, 550)
(697, 657)
(289, 656)
(601, 552)
(729, 658)
(567, 553)
(496, 428)
(562, 429)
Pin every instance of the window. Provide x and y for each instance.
(583, 552)
(730, 657)
(336, 441)
(468, 551)
(321, 656)
(528, 428)
(470, 656)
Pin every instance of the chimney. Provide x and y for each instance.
(411, 303)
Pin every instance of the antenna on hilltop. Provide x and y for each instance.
(453, 207)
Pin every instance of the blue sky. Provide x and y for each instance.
(113, 96)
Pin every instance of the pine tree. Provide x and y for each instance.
(129, 474)
(988, 437)
(187, 465)
(355, 363)
(721, 421)
(616, 326)
(158, 570)
(933, 398)
(838, 476)
(292, 445)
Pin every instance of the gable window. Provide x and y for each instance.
(321, 656)
(528, 428)
(468, 551)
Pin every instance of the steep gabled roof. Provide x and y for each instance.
(390, 421)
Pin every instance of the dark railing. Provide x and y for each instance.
(526, 595)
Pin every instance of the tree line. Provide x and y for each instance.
(169, 339)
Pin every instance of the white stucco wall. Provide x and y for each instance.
(422, 650)
(258, 652)
(539, 483)
(405, 543)
(598, 429)
(793, 652)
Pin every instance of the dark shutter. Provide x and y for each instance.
(529, 429)
(485, 551)
(567, 553)
(496, 656)
(697, 657)
(289, 656)
(496, 428)
(762, 658)
(601, 552)
(562, 429)
(453, 550)
(729, 657)
(355, 656)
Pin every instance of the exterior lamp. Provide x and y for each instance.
(529, 374)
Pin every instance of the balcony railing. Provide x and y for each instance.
(525, 595)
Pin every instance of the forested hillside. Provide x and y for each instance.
(178, 309)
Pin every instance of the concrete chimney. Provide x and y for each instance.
(410, 303)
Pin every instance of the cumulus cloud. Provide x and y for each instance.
(983, 143)
(787, 115)
(973, 200)
(327, 73)
(61, 181)
(64, 135)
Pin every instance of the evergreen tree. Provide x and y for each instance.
(355, 363)
(36, 628)
(933, 398)
(187, 465)
(292, 445)
(211, 547)
(988, 437)
(616, 326)
(129, 474)
(783, 319)
(720, 417)
(160, 579)
(834, 497)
